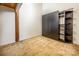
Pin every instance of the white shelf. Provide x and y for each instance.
(62, 37)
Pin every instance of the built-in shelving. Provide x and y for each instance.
(58, 25)
(66, 25)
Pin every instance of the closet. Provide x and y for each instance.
(58, 25)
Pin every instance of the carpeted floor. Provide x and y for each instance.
(40, 46)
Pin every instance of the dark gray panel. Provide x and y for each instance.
(50, 25)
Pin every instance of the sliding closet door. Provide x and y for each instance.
(53, 20)
(50, 25)
(45, 25)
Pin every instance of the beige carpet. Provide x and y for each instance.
(40, 46)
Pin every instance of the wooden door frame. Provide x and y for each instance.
(16, 10)
(17, 22)
(16, 25)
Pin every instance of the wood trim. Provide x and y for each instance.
(17, 22)
(7, 8)
(9, 5)
(18, 5)
(16, 25)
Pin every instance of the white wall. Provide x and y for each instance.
(7, 26)
(48, 8)
(30, 20)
